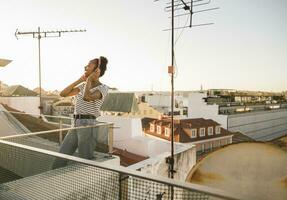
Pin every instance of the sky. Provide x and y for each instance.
(245, 49)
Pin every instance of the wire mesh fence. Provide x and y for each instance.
(32, 176)
(28, 172)
(37, 179)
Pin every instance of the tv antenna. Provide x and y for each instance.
(39, 35)
(181, 8)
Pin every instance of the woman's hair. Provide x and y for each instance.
(103, 65)
(96, 62)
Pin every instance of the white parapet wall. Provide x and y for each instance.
(23, 104)
(197, 108)
(184, 160)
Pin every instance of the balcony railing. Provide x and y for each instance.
(26, 172)
(29, 175)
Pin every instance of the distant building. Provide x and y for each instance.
(219, 92)
(37, 90)
(144, 110)
(18, 91)
(129, 136)
(3, 87)
(206, 134)
(63, 107)
(259, 121)
(119, 103)
(161, 101)
(241, 96)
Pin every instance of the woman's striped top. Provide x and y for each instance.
(92, 107)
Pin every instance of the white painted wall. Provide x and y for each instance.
(165, 100)
(128, 135)
(23, 104)
(158, 100)
(197, 108)
(184, 160)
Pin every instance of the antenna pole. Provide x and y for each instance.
(188, 7)
(172, 91)
(39, 35)
(171, 160)
(40, 81)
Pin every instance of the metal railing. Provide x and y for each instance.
(27, 172)
(49, 118)
(27, 166)
(59, 121)
(55, 137)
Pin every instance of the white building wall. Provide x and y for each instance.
(197, 108)
(158, 100)
(128, 135)
(184, 160)
(165, 100)
(23, 104)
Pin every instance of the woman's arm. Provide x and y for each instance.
(88, 96)
(72, 89)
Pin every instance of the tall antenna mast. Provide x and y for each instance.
(180, 8)
(39, 35)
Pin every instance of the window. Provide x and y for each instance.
(210, 130)
(144, 112)
(167, 132)
(202, 132)
(217, 130)
(151, 128)
(158, 130)
(150, 111)
(202, 147)
(193, 133)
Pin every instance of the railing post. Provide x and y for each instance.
(110, 138)
(120, 186)
(61, 132)
(123, 186)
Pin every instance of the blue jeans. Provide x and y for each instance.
(83, 139)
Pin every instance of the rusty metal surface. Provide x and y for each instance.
(255, 170)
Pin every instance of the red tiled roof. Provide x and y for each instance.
(187, 123)
(198, 122)
(127, 158)
(186, 138)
